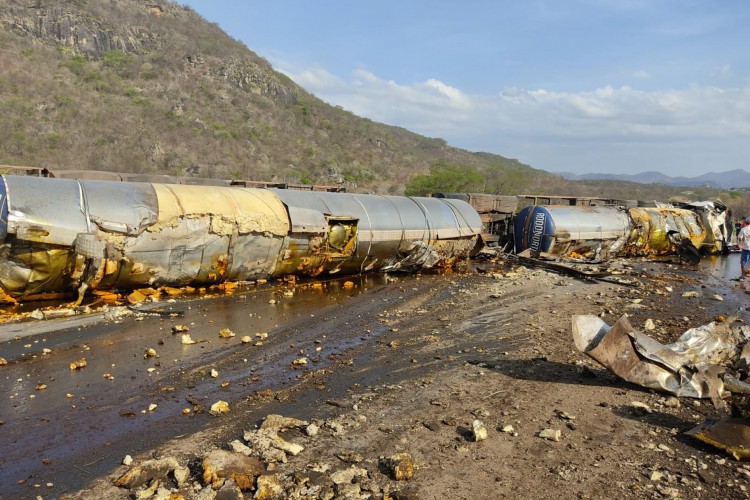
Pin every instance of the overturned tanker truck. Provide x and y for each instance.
(601, 232)
(71, 235)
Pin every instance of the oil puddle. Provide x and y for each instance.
(721, 267)
(80, 422)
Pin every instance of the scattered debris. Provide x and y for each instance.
(269, 487)
(641, 406)
(400, 466)
(478, 431)
(77, 365)
(219, 407)
(730, 434)
(226, 333)
(346, 476)
(692, 366)
(550, 434)
(147, 472)
(349, 456)
(266, 443)
(220, 466)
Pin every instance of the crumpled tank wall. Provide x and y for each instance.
(387, 232)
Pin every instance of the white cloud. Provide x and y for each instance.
(723, 71)
(605, 128)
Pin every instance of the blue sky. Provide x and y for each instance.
(567, 85)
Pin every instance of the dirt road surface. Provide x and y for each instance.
(418, 365)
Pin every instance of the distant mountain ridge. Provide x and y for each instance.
(724, 180)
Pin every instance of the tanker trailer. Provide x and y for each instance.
(68, 235)
(354, 233)
(600, 232)
(587, 232)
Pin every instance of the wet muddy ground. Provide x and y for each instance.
(392, 364)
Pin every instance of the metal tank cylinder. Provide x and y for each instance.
(586, 232)
(384, 233)
(67, 235)
(599, 232)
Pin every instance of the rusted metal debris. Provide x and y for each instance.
(729, 434)
(590, 274)
(700, 364)
(601, 232)
(71, 236)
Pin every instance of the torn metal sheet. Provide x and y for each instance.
(66, 235)
(714, 217)
(692, 366)
(730, 434)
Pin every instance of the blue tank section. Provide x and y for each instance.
(534, 229)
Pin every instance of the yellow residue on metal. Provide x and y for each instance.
(244, 210)
(342, 239)
(40, 269)
(650, 226)
(220, 266)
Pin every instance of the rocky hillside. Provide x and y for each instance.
(152, 87)
(133, 86)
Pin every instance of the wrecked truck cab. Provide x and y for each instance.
(718, 229)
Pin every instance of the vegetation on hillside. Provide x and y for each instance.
(127, 86)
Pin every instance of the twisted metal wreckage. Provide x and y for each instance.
(65, 235)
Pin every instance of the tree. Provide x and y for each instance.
(445, 177)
